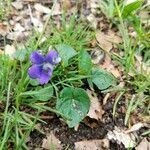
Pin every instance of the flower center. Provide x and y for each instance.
(47, 66)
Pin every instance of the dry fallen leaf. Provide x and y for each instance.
(12, 35)
(103, 43)
(144, 14)
(10, 50)
(145, 119)
(135, 127)
(94, 4)
(57, 9)
(18, 36)
(92, 19)
(106, 41)
(95, 111)
(42, 9)
(109, 66)
(18, 28)
(106, 98)
(112, 37)
(92, 145)
(3, 29)
(144, 145)
(128, 140)
(36, 21)
(17, 4)
(51, 142)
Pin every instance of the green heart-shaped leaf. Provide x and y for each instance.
(74, 103)
(66, 52)
(101, 78)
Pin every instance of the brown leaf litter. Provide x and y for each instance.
(119, 135)
(107, 41)
(144, 145)
(4, 29)
(17, 5)
(95, 110)
(92, 145)
(51, 142)
(136, 127)
(104, 61)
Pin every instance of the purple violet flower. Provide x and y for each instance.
(42, 66)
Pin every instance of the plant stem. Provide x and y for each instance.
(115, 104)
(7, 105)
(123, 27)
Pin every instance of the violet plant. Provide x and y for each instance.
(63, 83)
(34, 80)
(72, 101)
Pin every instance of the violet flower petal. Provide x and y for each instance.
(37, 58)
(53, 57)
(35, 71)
(45, 77)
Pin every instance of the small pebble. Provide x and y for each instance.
(98, 56)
